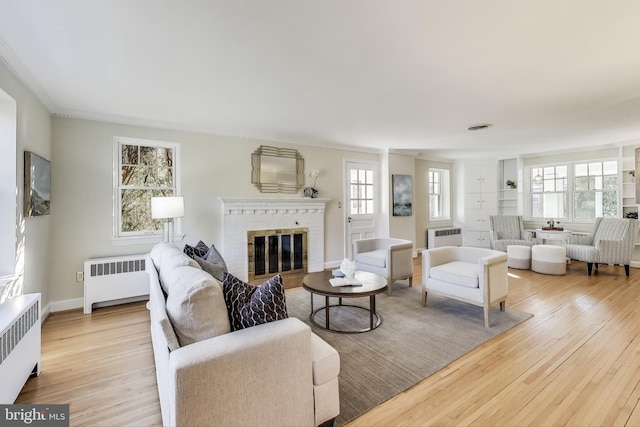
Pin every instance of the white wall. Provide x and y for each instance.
(212, 167)
(32, 234)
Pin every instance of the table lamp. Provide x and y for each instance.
(167, 208)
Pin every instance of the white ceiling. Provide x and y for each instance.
(403, 75)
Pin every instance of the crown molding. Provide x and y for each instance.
(13, 63)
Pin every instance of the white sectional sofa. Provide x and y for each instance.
(273, 374)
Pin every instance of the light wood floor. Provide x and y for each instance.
(576, 362)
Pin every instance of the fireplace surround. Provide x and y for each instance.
(241, 215)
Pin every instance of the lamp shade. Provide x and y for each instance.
(167, 207)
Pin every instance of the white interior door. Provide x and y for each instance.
(360, 201)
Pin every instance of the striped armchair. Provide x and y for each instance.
(611, 242)
(508, 230)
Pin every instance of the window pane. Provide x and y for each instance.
(129, 154)
(362, 177)
(369, 177)
(561, 171)
(369, 207)
(610, 168)
(549, 185)
(610, 204)
(596, 183)
(611, 182)
(554, 205)
(354, 176)
(584, 205)
(148, 155)
(369, 192)
(582, 183)
(581, 170)
(595, 168)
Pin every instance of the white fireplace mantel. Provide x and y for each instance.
(242, 214)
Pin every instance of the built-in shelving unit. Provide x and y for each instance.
(508, 196)
(628, 197)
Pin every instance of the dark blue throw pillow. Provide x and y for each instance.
(200, 249)
(249, 305)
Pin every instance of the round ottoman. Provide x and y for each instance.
(519, 257)
(549, 259)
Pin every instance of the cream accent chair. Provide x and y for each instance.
(612, 242)
(476, 276)
(508, 230)
(387, 257)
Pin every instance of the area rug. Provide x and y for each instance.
(412, 342)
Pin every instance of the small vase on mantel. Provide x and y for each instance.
(310, 192)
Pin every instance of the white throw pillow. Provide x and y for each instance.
(196, 305)
(167, 257)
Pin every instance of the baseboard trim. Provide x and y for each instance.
(64, 305)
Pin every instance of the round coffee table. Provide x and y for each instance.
(372, 284)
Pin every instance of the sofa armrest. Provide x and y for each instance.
(614, 251)
(493, 259)
(268, 365)
(364, 245)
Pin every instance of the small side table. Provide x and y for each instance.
(554, 236)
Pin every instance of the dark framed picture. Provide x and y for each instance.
(37, 185)
(402, 195)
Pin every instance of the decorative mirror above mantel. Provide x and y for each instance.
(277, 170)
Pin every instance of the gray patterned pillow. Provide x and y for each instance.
(249, 305)
(216, 269)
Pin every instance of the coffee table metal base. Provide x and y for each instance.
(375, 319)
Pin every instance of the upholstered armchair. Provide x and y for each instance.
(508, 230)
(476, 276)
(611, 242)
(388, 257)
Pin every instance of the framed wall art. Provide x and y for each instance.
(37, 185)
(402, 195)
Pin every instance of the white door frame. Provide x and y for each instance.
(375, 166)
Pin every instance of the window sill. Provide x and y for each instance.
(144, 240)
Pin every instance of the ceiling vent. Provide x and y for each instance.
(480, 126)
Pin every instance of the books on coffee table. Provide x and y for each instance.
(344, 281)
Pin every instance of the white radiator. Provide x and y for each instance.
(437, 237)
(115, 278)
(19, 344)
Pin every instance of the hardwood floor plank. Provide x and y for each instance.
(574, 363)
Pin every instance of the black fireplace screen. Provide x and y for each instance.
(277, 251)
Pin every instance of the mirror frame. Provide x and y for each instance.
(275, 187)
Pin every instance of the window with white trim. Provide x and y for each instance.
(439, 206)
(577, 191)
(596, 190)
(435, 194)
(144, 169)
(549, 192)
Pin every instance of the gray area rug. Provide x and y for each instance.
(412, 342)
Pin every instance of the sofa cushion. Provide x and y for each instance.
(376, 258)
(195, 305)
(249, 305)
(458, 272)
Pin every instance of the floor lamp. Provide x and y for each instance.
(167, 208)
